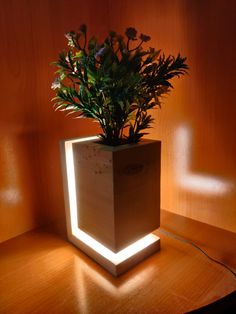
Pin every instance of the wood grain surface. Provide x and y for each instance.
(196, 123)
(42, 273)
(118, 191)
(32, 35)
(201, 106)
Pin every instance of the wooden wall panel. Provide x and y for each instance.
(197, 122)
(32, 35)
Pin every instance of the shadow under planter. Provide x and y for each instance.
(112, 198)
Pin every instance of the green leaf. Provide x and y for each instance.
(114, 83)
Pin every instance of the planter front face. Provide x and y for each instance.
(118, 191)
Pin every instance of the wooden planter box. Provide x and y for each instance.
(117, 191)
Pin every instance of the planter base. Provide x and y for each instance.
(119, 263)
(116, 262)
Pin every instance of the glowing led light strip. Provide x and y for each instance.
(115, 258)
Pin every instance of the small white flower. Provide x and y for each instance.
(70, 43)
(56, 84)
(68, 36)
(75, 70)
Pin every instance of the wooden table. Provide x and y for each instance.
(40, 272)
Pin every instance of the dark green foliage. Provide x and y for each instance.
(113, 83)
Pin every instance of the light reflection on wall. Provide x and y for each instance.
(9, 193)
(196, 182)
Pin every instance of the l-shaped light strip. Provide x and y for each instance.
(115, 258)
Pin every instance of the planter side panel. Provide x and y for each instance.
(136, 191)
(94, 188)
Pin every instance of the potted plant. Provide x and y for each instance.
(116, 83)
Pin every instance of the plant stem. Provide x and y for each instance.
(136, 118)
(136, 47)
